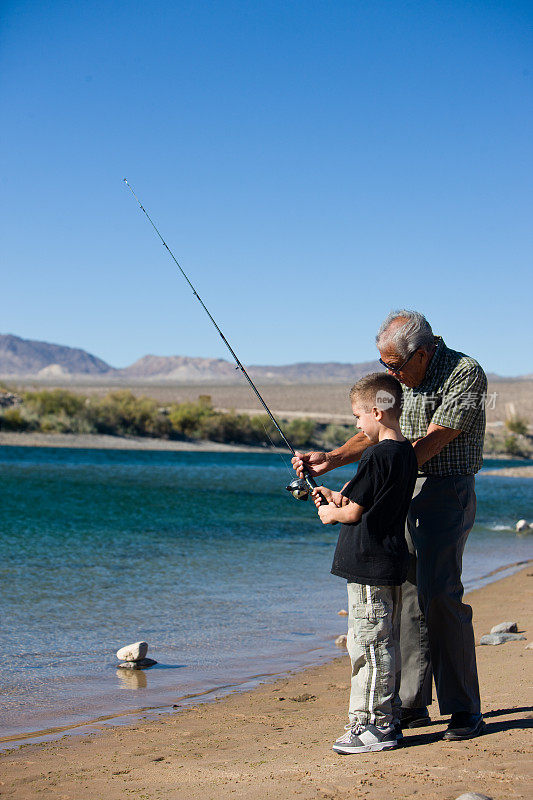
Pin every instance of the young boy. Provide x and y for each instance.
(372, 555)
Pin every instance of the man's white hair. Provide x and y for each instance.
(414, 333)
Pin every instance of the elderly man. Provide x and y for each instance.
(444, 417)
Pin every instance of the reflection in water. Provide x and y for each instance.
(132, 678)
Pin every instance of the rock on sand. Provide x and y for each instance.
(505, 627)
(500, 638)
(473, 796)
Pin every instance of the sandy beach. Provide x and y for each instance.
(97, 441)
(511, 472)
(275, 741)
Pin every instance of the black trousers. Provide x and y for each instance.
(437, 635)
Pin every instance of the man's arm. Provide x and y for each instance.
(460, 408)
(435, 440)
(318, 463)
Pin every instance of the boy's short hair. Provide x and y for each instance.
(378, 390)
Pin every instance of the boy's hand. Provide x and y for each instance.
(328, 514)
(319, 492)
(336, 498)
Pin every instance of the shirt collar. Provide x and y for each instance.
(433, 366)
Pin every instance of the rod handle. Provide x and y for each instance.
(312, 485)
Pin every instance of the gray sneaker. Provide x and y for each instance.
(365, 739)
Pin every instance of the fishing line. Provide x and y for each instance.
(269, 437)
(298, 487)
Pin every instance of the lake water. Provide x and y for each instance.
(205, 556)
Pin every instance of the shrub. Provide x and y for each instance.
(62, 423)
(300, 432)
(335, 435)
(123, 413)
(236, 428)
(57, 401)
(516, 425)
(220, 427)
(187, 419)
(264, 431)
(12, 419)
(512, 446)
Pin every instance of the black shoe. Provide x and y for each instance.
(414, 717)
(464, 726)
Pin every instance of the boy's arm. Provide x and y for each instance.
(349, 513)
(337, 498)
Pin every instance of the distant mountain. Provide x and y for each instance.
(192, 370)
(27, 357)
(180, 368)
(313, 372)
(54, 362)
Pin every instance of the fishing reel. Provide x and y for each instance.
(299, 488)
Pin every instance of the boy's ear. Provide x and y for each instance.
(377, 413)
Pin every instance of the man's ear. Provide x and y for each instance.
(422, 355)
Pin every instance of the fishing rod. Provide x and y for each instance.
(300, 488)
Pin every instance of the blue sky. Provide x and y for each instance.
(311, 164)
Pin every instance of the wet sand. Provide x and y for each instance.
(275, 741)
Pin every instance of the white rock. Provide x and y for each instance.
(133, 652)
(341, 640)
(529, 646)
(505, 627)
(500, 638)
(473, 796)
(342, 612)
(522, 525)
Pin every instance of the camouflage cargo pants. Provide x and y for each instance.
(374, 647)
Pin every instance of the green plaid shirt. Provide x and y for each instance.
(452, 394)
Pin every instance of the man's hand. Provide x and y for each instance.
(313, 463)
(316, 463)
(328, 514)
(336, 498)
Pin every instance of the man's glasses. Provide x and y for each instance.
(396, 370)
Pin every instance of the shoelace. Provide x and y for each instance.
(352, 729)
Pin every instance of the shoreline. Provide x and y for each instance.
(208, 695)
(101, 441)
(510, 472)
(93, 441)
(275, 740)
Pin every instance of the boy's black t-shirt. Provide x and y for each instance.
(373, 551)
